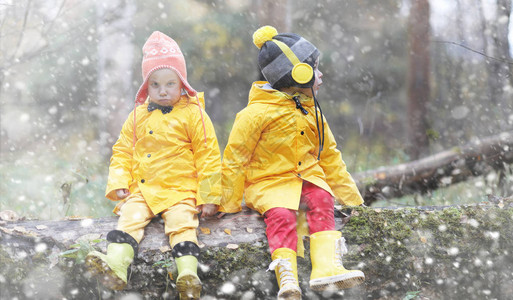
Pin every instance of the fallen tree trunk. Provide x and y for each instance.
(459, 252)
(445, 168)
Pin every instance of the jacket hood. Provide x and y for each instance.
(198, 99)
(262, 92)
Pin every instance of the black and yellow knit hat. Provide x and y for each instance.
(285, 59)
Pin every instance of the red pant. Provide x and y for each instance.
(281, 222)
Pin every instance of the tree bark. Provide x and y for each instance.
(115, 76)
(418, 77)
(504, 70)
(423, 250)
(499, 71)
(445, 168)
(275, 13)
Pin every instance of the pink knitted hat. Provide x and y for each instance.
(159, 52)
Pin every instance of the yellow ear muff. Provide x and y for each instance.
(301, 72)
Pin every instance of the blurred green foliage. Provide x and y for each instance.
(79, 251)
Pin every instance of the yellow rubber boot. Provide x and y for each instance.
(285, 266)
(326, 251)
(188, 282)
(111, 268)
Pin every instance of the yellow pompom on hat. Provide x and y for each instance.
(264, 34)
(274, 59)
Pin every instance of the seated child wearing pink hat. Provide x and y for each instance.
(165, 162)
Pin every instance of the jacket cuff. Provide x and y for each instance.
(230, 209)
(111, 193)
(216, 202)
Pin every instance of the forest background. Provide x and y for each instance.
(403, 79)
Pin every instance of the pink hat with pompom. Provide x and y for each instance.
(159, 52)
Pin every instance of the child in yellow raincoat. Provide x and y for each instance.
(166, 162)
(283, 157)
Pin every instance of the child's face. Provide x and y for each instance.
(164, 87)
(308, 91)
(318, 77)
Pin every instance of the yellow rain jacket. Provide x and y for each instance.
(171, 161)
(272, 148)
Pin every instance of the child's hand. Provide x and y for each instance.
(122, 193)
(207, 210)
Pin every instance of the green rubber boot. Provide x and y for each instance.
(111, 268)
(188, 282)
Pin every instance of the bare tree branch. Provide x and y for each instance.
(22, 33)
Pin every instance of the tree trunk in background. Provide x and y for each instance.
(115, 56)
(497, 47)
(275, 13)
(500, 40)
(418, 77)
(3, 132)
(504, 70)
(459, 131)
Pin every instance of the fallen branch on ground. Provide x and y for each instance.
(477, 158)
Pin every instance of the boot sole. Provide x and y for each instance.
(338, 282)
(290, 295)
(100, 269)
(189, 287)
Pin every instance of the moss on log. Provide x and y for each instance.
(457, 252)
